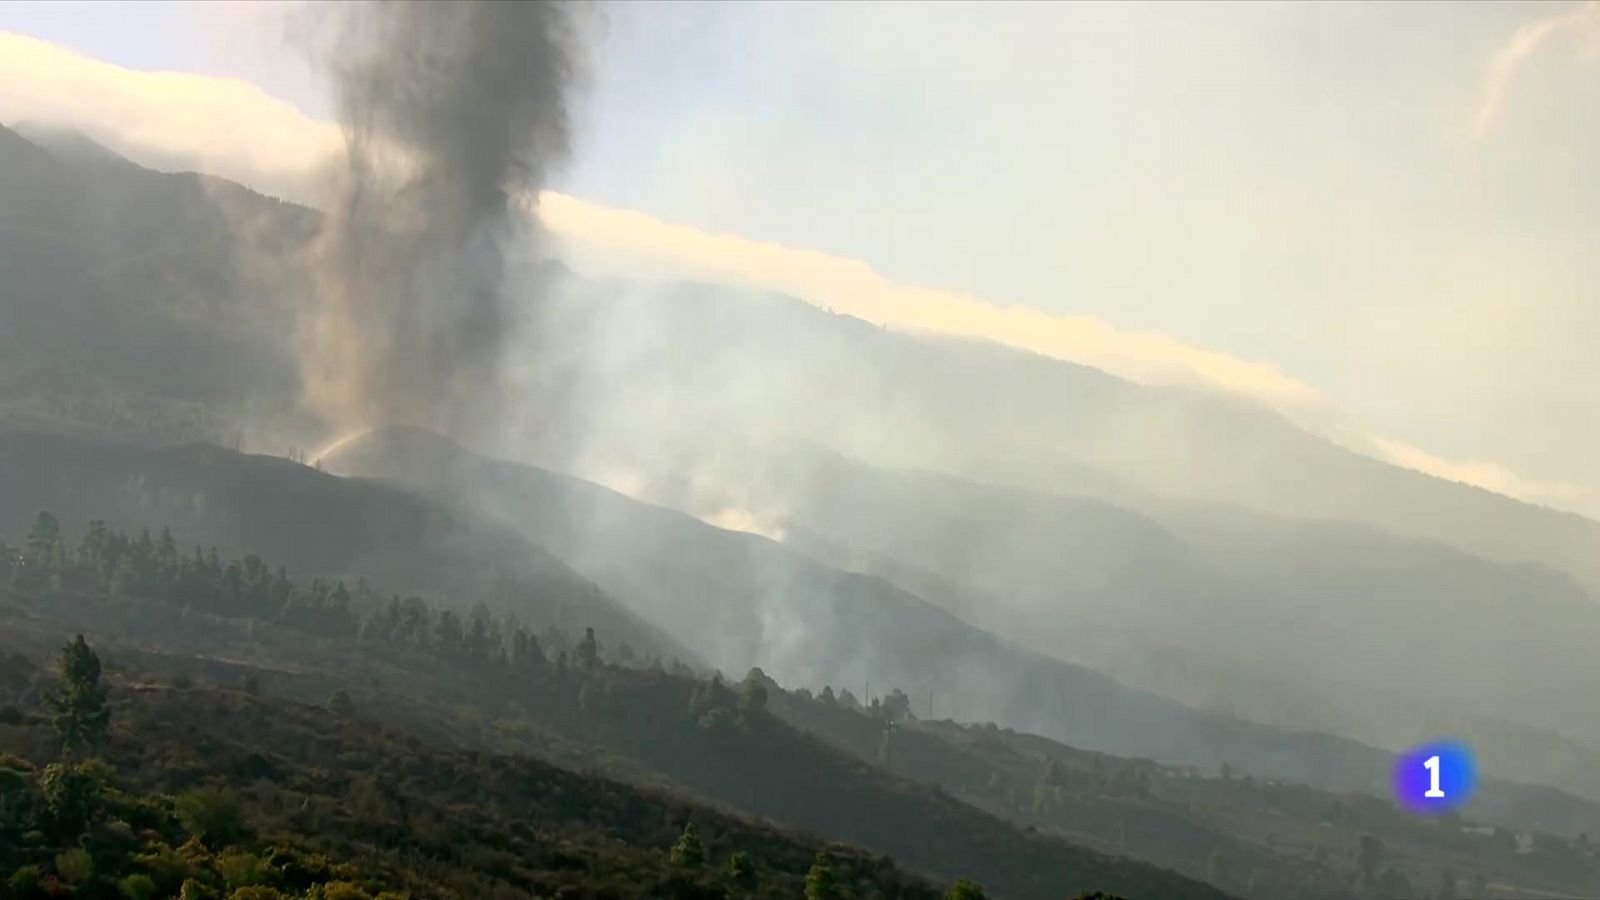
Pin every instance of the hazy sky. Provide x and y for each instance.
(1395, 204)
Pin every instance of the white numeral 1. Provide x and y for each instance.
(1432, 765)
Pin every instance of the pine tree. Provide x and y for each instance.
(588, 651)
(82, 716)
(820, 883)
(689, 852)
(741, 871)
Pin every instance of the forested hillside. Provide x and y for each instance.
(292, 515)
(413, 665)
(199, 793)
(480, 681)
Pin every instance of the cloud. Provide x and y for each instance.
(173, 120)
(1487, 475)
(234, 129)
(648, 246)
(653, 247)
(1515, 51)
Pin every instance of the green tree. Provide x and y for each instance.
(753, 700)
(72, 793)
(820, 882)
(741, 871)
(896, 706)
(211, 814)
(16, 790)
(42, 538)
(38, 554)
(340, 704)
(138, 887)
(25, 882)
(92, 549)
(448, 633)
(689, 852)
(194, 890)
(588, 651)
(964, 889)
(75, 866)
(240, 869)
(80, 706)
(525, 651)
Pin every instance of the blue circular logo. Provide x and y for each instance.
(1435, 777)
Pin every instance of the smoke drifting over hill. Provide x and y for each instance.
(449, 110)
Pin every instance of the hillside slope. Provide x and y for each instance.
(696, 734)
(216, 283)
(697, 362)
(741, 601)
(1210, 605)
(310, 521)
(323, 797)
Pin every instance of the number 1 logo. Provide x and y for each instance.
(1432, 765)
(1434, 777)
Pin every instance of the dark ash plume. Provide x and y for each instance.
(453, 112)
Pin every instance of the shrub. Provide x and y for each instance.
(212, 815)
(138, 887)
(340, 704)
(241, 870)
(343, 890)
(75, 866)
(194, 890)
(741, 870)
(25, 881)
(165, 865)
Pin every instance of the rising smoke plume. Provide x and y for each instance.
(450, 112)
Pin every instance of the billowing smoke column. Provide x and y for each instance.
(451, 111)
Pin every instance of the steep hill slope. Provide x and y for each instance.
(698, 361)
(1308, 624)
(646, 725)
(741, 600)
(153, 300)
(105, 260)
(686, 730)
(310, 521)
(309, 797)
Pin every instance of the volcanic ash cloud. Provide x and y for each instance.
(449, 111)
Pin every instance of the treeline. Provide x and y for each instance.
(111, 562)
(108, 562)
(606, 697)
